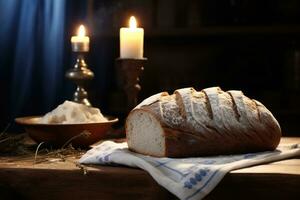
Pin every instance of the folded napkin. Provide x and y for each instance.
(187, 178)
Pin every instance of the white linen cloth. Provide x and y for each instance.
(187, 178)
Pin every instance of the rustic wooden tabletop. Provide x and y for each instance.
(24, 177)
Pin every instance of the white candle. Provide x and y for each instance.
(81, 41)
(131, 41)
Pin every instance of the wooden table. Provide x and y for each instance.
(22, 179)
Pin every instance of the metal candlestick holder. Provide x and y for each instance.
(129, 71)
(80, 74)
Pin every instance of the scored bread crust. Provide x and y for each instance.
(207, 122)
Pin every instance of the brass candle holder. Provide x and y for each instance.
(129, 71)
(80, 74)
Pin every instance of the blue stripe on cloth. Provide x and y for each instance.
(162, 163)
(199, 190)
(174, 170)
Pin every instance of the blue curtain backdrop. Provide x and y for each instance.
(31, 56)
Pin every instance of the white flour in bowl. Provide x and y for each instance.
(71, 113)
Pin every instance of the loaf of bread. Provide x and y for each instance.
(200, 123)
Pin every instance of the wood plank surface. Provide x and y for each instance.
(21, 178)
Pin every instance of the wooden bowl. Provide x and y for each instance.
(57, 135)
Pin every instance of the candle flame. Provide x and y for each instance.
(132, 22)
(81, 31)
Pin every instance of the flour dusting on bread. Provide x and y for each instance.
(197, 123)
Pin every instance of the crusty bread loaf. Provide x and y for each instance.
(210, 122)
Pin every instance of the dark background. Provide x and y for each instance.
(249, 45)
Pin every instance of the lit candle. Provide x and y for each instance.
(80, 43)
(132, 41)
